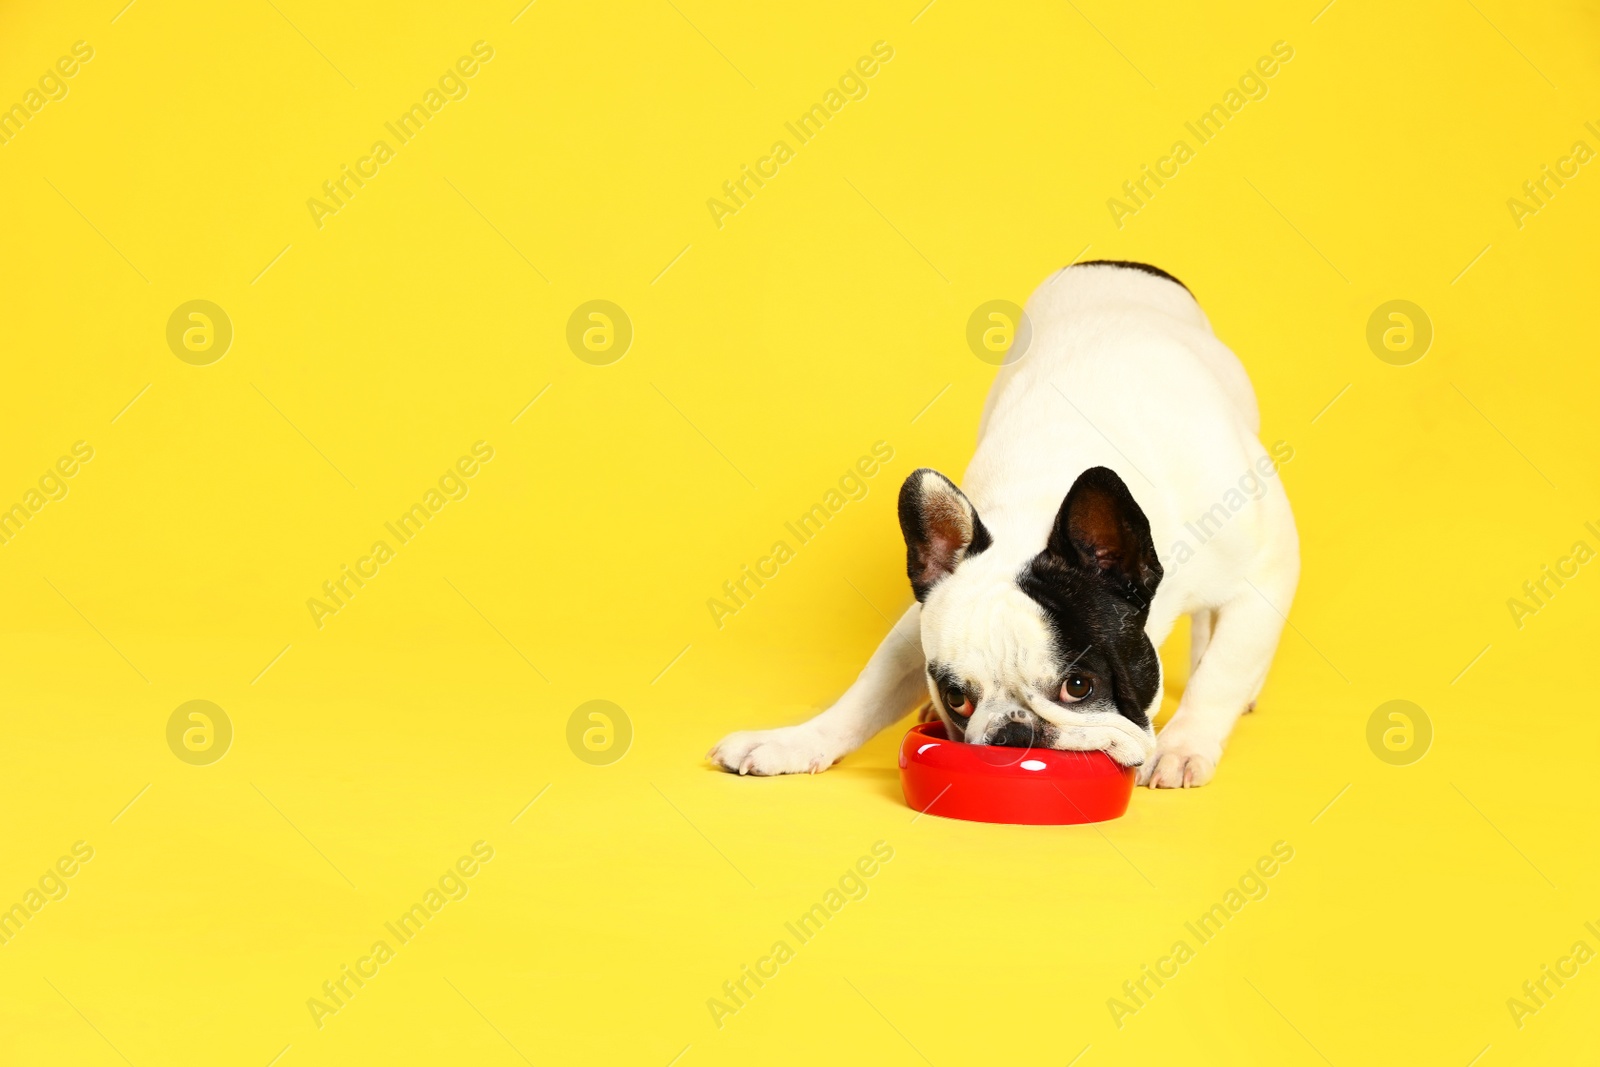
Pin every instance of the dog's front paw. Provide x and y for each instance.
(787, 750)
(1180, 762)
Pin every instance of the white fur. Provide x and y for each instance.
(980, 623)
(1123, 372)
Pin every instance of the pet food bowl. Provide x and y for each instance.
(989, 783)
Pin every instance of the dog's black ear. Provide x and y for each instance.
(941, 529)
(1101, 529)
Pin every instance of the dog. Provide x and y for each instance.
(1043, 590)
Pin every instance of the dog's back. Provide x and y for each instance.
(1123, 371)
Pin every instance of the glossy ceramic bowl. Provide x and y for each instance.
(988, 783)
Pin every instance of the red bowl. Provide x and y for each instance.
(988, 783)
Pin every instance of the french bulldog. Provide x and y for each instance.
(1118, 484)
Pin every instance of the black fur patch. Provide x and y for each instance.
(1095, 580)
(1096, 631)
(1131, 265)
(1102, 528)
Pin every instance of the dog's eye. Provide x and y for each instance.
(1077, 687)
(957, 702)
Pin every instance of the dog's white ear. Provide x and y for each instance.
(940, 526)
(1101, 529)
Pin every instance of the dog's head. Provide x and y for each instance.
(1051, 655)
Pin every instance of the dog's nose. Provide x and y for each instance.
(1014, 735)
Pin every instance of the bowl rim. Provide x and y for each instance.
(996, 784)
(997, 761)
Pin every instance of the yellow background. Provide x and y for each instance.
(768, 355)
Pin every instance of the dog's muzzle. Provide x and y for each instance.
(1017, 735)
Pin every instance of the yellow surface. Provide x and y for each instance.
(828, 313)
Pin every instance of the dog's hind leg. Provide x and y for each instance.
(890, 685)
(1201, 624)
